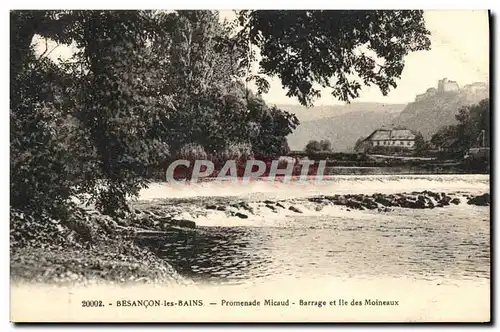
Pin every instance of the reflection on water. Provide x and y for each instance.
(423, 244)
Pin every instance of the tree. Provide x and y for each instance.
(446, 136)
(24, 24)
(325, 145)
(272, 125)
(420, 144)
(105, 87)
(41, 165)
(473, 125)
(358, 143)
(141, 85)
(114, 103)
(46, 151)
(313, 147)
(322, 146)
(198, 75)
(340, 50)
(204, 78)
(140, 82)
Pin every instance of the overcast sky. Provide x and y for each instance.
(460, 52)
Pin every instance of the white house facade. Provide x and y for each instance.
(390, 139)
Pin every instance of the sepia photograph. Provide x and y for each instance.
(250, 166)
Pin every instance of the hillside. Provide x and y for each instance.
(344, 124)
(430, 113)
(342, 130)
(320, 112)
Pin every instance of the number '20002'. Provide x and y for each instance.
(92, 303)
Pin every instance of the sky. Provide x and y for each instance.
(459, 51)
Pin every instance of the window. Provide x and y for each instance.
(409, 143)
(402, 143)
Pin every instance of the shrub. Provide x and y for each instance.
(192, 152)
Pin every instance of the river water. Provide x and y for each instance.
(449, 243)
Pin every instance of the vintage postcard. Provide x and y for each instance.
(250, 166)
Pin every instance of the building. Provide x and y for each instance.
(450, 145)
(388, 141)
(445, 85)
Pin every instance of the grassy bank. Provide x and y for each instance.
(85, 248)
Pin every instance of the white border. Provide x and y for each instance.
(190, 4)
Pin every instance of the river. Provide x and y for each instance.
(425, 244)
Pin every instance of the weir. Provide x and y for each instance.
(329, 185)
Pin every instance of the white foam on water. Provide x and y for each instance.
(294, 195)
(364, 184)
(261, 214)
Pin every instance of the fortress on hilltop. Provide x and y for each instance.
(445, 86)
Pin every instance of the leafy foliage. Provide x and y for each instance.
(322, 146)
(204, 80)
(144, 85)
(473, 125)
(313, 146)
(41, 165)
(473, 120)
(421, 145)
(358, 144)
(140, 86)
(446, 137)
(326, 145)
(340, 50)
(271, 126)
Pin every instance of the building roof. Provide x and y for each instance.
(391, 134)
(380, 134)
(402, 134)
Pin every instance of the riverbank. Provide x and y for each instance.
(87, 249)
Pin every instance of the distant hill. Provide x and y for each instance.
(436, 108)
(320, 112)
(341, 124)
(344, 124)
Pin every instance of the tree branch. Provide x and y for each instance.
(52, 50)
(46, 49)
